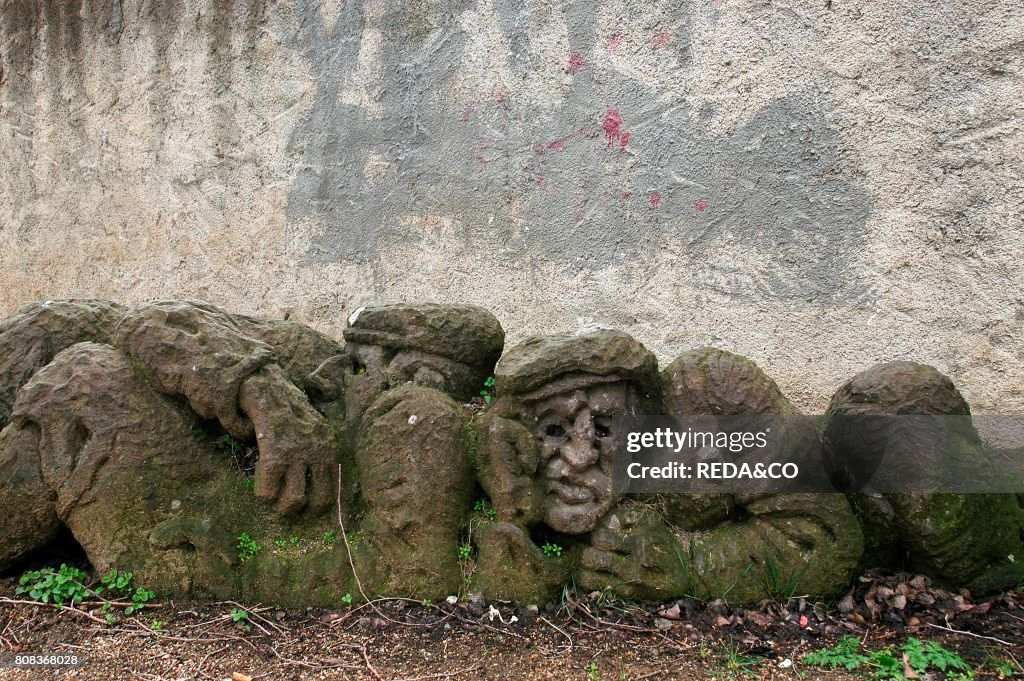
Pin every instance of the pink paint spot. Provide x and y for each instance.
(625, 195)
(701, 205)
(659, 40)
(501, 95)
(612, 126)
(656, 200)
(540, 180)
(465, 116)
(576, 62)
(477, 151)
(615, 42)
(624, 140)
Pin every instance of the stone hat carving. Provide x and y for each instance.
(465, 333)
(542, 366)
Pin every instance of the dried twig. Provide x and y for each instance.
(121, 604)
(614, 625)
(37, 604)
(369, 666)
(199, 669)
(331, 664)
(558, 629)
(351, 563)
(969, 633)
(146, 632)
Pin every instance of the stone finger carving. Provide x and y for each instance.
(250, 375)
(633, 552)
(298, 452)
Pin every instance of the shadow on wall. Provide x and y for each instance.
(585, 170)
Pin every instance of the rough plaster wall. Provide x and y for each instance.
(819, 186)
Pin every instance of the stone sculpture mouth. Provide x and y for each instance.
(571, 493)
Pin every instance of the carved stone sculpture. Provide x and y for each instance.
(124, 425)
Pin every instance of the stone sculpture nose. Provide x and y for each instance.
(579, 452)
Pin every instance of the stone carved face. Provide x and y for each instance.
(577, 445)
(382, 368)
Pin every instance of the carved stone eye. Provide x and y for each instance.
(554, 430)
(601, 427)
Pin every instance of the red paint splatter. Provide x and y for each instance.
(625, 195)
(576, 62)
(656, 200)
(701, 205)
(659, 40)
(612, 126)
(615, 42)
(624, 140)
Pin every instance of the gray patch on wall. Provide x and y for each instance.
(607, 177)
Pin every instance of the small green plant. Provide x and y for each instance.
(139, 599)
(241, 618)
(250, 484)
(247, 547)
(347, 599)
(156, 625)
(329, 537)
(229, 443)
(465, 551)
(280, 543)
(923, 656)
(426, 603)
(780, 587)
(293, 540)
(354, 538)
(488, 392)
(1004, 669)
(842, 655)
(592, 673)
(915, 655)
(738, 664)
(484, 508)
(66, 584)
(551, 550)
(69, 584)
(116, 581)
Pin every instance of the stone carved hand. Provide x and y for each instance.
(513, 567)
(296, 468)
(633, 553)
(508, 470)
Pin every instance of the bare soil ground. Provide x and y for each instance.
(583, 637)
